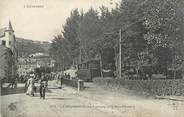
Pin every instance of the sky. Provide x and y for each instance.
(42, 23)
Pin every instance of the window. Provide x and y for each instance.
(3, 42)
(9, 42)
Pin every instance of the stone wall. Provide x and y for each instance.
(152, 87)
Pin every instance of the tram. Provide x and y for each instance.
(88, 70)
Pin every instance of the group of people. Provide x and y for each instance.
(30, 87)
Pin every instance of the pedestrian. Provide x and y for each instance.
(61, 80)
(30, 85)
(21, 79)
(25, 81)
(14, 83)
(34, 89)
(43, 86)
(68, 76)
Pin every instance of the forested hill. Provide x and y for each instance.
(26, 47)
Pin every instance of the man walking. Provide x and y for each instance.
(61, 80)
(43, 86)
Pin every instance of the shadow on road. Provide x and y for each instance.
(10, 91)
(86, 87)
(18, 90)
(59, 98)
(54, 88)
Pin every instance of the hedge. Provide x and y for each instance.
(152, 87)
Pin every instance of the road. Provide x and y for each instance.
(94, 101)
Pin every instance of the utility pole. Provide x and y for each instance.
(80, 55)
(63, 67)
(120, 53)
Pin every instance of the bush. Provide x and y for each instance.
(152, 87)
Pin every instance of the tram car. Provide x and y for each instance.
(89, 70)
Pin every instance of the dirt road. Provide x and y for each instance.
(92, 102)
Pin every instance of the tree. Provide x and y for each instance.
(70, 32)
(152, 34)
(61, 52)
(164, 21)
(90, 30)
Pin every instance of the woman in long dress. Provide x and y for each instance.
(30, 85)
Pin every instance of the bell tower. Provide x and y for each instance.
(10, 37)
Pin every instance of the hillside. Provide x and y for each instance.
(26, 47)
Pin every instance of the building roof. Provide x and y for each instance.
(23, 40)
(39, 55)
(2, 30)
(90, 60)
(4, 49)
(22, 60)
(10, 26)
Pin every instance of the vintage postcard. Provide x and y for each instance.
(92, 58)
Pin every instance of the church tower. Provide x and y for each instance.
(10, 37)
(8, 41)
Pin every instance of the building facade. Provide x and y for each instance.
(8, 40)
(6, 58)
(43, 60)
(36, 60)
(26, 65)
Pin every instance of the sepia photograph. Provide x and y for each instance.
(91, 58)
